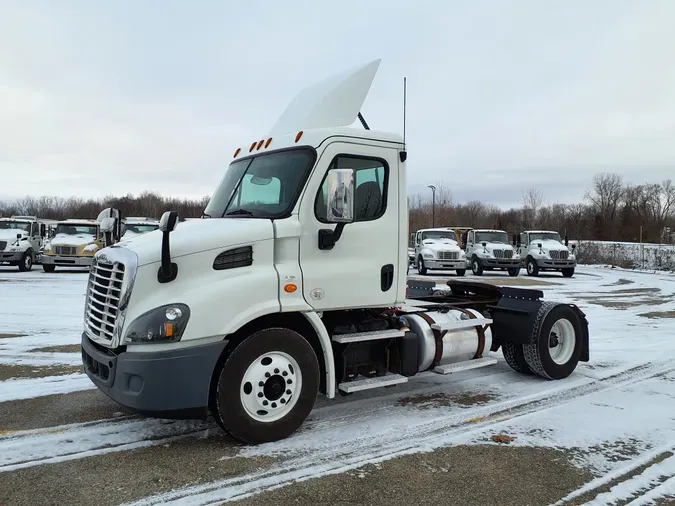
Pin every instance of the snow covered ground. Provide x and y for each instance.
(615, 416)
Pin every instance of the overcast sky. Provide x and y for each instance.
(115, 97)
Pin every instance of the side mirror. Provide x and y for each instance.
(18, 237)
(574, 246)
(567, 242)
(340, 201)
(484, 244)
(168, 221)
(107, 225)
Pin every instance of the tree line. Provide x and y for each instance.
(611, 210)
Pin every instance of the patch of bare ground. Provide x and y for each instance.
(517, 282)
(621, 281)
(466, 475)
(10, 336)
(613, 303)
(121, 477)
(658, 314)
(64, 348)
(32, 371)
(427, 401)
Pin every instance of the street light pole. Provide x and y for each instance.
(433, 205)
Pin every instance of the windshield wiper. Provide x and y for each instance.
(240, 211)
(207, 215)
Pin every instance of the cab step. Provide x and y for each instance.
(367, 336)
(461, 324)
(375, 382)
(465, 365)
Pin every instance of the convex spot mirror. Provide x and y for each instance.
(340, 196)
(107, 224)
(261, 181)
(168, 221)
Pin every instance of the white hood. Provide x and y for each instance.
(72, 239)
(491, 246)
(548, 245)
(440, 245)
(9, 234)
(196, 236)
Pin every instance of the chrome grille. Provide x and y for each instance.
(104, 291)
(559, 255)
(448, 255)
(500, 253)
(3, 245)
(65, 250)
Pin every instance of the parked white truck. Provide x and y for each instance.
(437, 248)
(21, 241)
(488, 249)
(137, 225)
(543, 250)
(294, 284)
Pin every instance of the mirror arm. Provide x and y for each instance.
(328, 237)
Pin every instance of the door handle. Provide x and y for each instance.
(386, 277)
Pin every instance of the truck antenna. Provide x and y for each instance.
(363, 121)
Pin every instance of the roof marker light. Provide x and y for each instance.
(299, 134)
(260, 143)
(237, 152)
(268, 142)
(252, 146)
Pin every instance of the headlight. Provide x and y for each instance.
(462, 254)
(90, 249)
(428, 255)
(164, 324)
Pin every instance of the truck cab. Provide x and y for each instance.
(437, 248)
(73, 245)
(133, 226)
(543, 250)
(294, 283)
(488, 249)
(21, 241)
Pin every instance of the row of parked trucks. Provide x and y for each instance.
(28, 240)
(461, 248)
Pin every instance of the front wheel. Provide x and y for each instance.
(513, 271)
(476, 267)
(26, 262)
(48, 267)
(532, 267)
(461, 272)
(420, 267)
(556, 341)
(267, 386)
(568, 273)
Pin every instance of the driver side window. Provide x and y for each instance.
(370, 187)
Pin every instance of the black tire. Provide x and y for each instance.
(514, 356)
(513, 271)
(476, 266)
(228, 409)
(538, 354)
(48, 267)
(26, 262)
(568, 273)
(532, 267)
(420, 266)
(461, 272)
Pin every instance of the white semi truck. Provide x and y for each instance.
(437, 248)
(543, 250)
(294, 284)
(21, 241)
(137, 225)
(488, 249)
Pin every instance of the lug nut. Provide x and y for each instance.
(274, 404)
(285, 373)
(267, 375)
(276, 371)
(265, 403)
(289, 381)
(282, 401)
(261, 384)
(288, 392)
(260, 394)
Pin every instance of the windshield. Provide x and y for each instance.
(438, 234)
(500, 237)
(544, 236)
(15, 225)
(69, 229)
(265, 186)
(140, 229)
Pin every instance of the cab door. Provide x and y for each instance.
(361, 269)
(35, 237)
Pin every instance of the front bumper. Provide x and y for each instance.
(500, 263)
(547, 263)
(66, 260)
(445, 264)
(11, 256)
(167, 384)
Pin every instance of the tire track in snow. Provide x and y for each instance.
(347, 455)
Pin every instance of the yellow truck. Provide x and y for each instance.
(73, 245)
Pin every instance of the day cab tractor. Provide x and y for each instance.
(21, 241)
(294, 284)
(437, 248)
(487, 250)
(543, 250)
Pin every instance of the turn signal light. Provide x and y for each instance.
(290, 288)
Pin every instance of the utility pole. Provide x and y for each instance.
(433, 205)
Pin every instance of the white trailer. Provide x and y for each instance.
(294, 284)
(21, 241)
